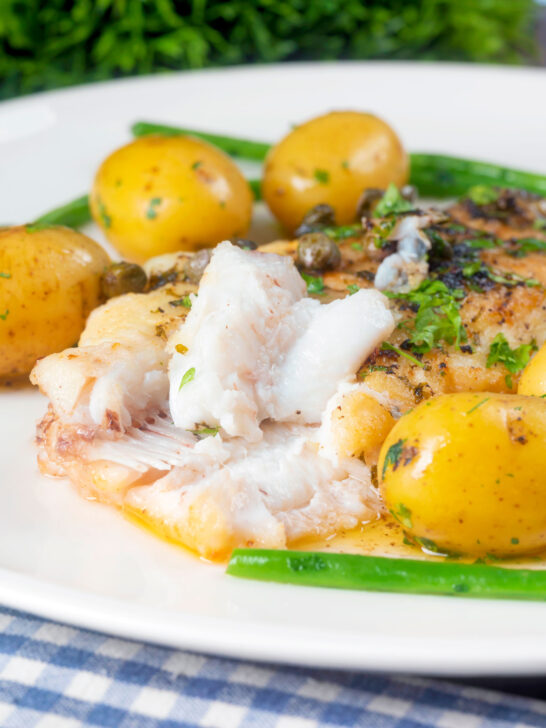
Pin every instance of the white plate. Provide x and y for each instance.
(80, 562)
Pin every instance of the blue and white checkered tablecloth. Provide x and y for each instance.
(54, 676)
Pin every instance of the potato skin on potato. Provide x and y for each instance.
(465, 473)
(49, 283)
(332, 159)
(162, 194)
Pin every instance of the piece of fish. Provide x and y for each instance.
(232, 457)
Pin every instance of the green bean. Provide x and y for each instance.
(435, 175)
(256, 187)
(376, 573)
(74, 214)
(233, 146)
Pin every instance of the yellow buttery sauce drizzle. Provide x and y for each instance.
(382, 537)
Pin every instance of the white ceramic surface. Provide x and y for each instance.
(82, 563)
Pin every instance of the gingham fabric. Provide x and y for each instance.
(54, 676)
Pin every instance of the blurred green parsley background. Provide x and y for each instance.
(53, 43)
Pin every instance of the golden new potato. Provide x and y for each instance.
(160, 194)
(49, 283)
(533, 378)
(332, 159)
(466, 473)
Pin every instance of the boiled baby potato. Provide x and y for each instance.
(49, 283)
(331, 159)
(466, 473)
(533, 378)
(160, 194)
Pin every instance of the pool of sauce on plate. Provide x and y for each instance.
(381, 537)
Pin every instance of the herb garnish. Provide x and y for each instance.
(403, 515)
(392, 203)
(196, 165)
(4, 315)
(103, 214)
(342, 232)
(482, 194)
(394, 453)
(438, 317)
(373, 368)
(5, 275)
(357, 246)
(528, 245)
(184, 301)
(315, 284)
(476, 406)
(203, 431)
(151, 212)
(513, 359)
(353, 288)
(322, 176)
(386, 346)
(188, 376)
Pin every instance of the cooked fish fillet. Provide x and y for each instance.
(232, 456)
(241, 422)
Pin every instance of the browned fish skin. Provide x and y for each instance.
(514, 214)
(517, 310)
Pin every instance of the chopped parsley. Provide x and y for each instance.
(403, 515)
(196, 165)
(342, 232)
(394, 453)
(392, 203)
(151, 212)
(483, 243)
(5, 275)
(373, 368)
(514, 541)
(357, 246)
(188, 376)
(477, 406)
(315, 284)
(482, 194)
(540, 223)
(204, 431)
(184, 301)
(528, 245)
(103, 214)
(438, 318)
(513, 359)
(322, 176)
(511, 279)
(390, 347)
(4, 315)
(381, 231)
(353, 288)
(345, 164)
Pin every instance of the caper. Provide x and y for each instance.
(409, 193)
(120, 278)
(244, 244)
(368, 201)
(195, 266)
(318, 217)
(316, 251)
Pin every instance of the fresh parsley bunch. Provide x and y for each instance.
(50, 43)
